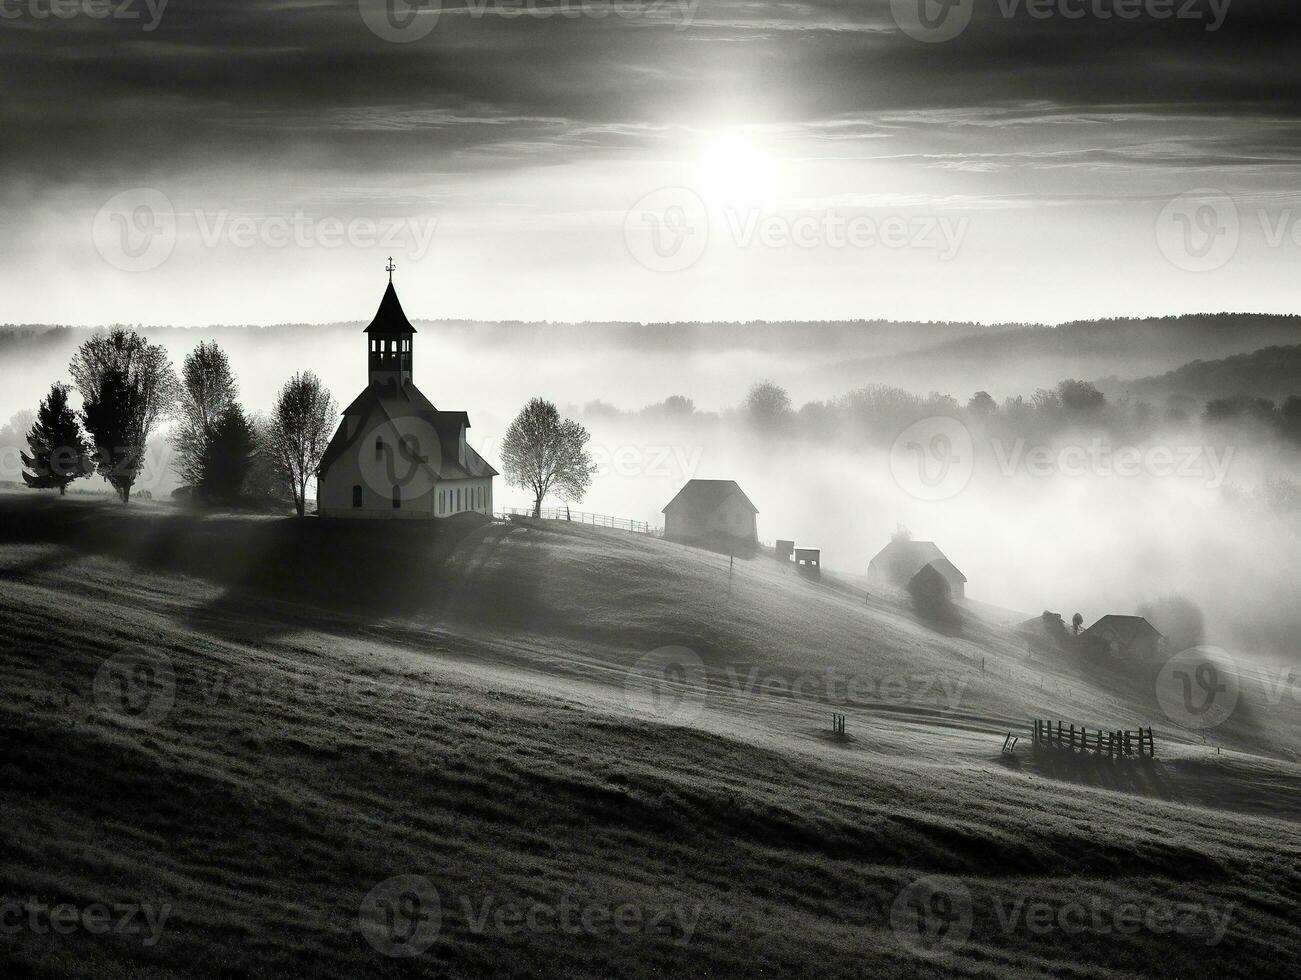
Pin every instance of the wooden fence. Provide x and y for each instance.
(1068, 738)
(583, 517)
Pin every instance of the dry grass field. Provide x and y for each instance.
(475, 707)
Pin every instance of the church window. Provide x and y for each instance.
(397, 496)
(356, 495)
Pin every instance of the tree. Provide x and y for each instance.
(768, 405)
(58, 451)
(982, 404)
(228, 454)
(546, 454)
(127, 388)
(207, 394)
(265, 481)
(1080, 397)
(299, 430)
(1076, 622)
(1179, 618)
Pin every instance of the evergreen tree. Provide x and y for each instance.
(58, 450)
(110, 416)
(227, 457)
(127, 388)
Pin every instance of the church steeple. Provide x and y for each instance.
(389, 340)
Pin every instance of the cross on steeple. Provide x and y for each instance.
(389, 268)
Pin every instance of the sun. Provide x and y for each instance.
(733, 170)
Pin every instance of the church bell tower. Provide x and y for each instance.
(389, 340)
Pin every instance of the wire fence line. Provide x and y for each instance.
(585, 517)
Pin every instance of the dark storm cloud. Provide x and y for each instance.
(308, 85)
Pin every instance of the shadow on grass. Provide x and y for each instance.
(361, 569)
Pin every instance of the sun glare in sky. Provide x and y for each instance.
(735, 171)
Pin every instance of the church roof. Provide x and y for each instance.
(389, 318)
(398, 401)
(703, 496)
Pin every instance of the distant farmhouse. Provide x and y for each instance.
(1044, 633)
(716, 513)
(394, 454)
(903, 558)
(1130, 638)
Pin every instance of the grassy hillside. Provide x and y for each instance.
(467, 706)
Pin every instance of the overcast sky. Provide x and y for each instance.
(252, 161)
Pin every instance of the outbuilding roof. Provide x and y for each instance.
(704, 496)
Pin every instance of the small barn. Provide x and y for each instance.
(1125, 638)
(808, 562)
(898, 562)
(930, 586)
(716, 513)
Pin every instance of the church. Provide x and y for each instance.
(395, 455)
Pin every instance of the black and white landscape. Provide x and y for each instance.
(684, 488)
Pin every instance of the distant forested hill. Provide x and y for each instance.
(1273, 372)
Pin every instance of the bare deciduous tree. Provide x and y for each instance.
(299, 430)
(546, 454)
(213, 440)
